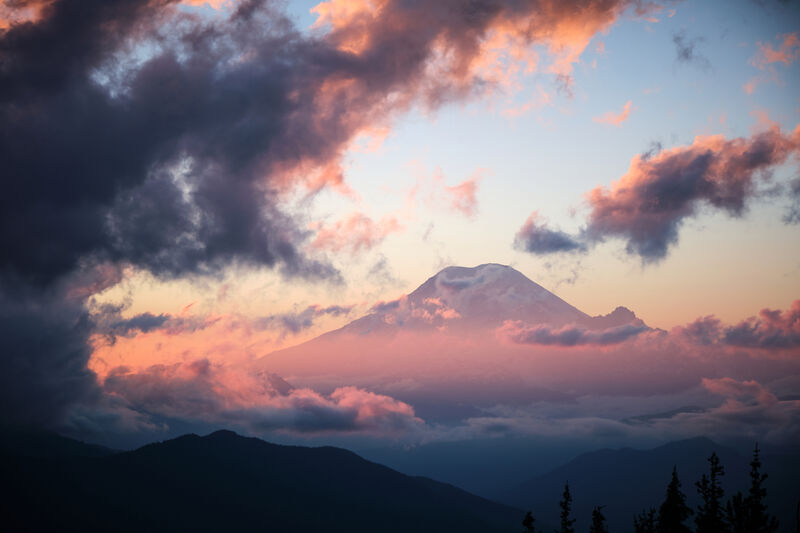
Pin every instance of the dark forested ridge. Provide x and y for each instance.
(225, 482)
(627, 483)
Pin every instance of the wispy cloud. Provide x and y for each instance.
(615, 119)
(353, 233)
(686, 50)
(768, 58)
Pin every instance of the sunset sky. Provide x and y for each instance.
(451, 184)
(193, 185)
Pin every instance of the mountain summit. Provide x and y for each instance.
(481, 297)
(454, 327)
(490, 293)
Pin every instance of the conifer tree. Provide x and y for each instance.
(673, 511)
(710, 518)
(598, 521)
(736, 513)
(749, 514)
(527, 523)
(645, 522)
(759, 520)
(566, 508)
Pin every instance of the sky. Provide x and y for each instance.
(193, 185)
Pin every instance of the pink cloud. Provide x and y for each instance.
(545, 335)
(647, 206)
(463, 195)
(354, 233)
(615, 119)
(740, 392)
(215, 393)
(21, 11)
(767, 57)
(434, 191)
(705, 330)
(772, 329)
(540, 99)
(787, 52)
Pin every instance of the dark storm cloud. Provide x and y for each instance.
(43, 357)
(159, 168)
(165, 173)
(134, 133)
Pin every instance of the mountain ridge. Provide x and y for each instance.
(628, 480)
(482, 296)
(224, 481)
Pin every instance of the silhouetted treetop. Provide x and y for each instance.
(673, 511)
(527, 523)
(710, 517)
(566, 509)
(598, 521)
(645, 522)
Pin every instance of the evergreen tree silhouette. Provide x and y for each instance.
(749, 514)
(645, 522)
(598, 521)
(527, 523)
(736, 513)
(710, 517)
(760, 521)
(673, 511)
(566, 508)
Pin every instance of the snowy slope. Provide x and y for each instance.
(481, 297)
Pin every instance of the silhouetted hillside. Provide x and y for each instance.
(28, 443)
(625, 481)
(225, 482)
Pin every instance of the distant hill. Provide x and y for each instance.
(34, 443)
(626, 481)
(225, 482)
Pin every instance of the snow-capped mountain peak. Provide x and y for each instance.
(492, 293)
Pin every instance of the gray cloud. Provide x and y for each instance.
(647, 207)
(198, 391)
(792, 215)
(293, 323)
(537, 238)
(569, 335)
(686, 50)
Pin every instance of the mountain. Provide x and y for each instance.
(626, 481)
(225, 482)
(23, 442)
(447, 336)
(481, 297)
